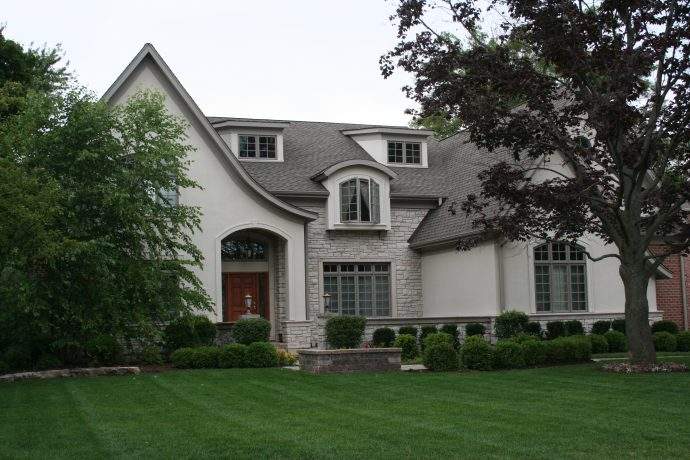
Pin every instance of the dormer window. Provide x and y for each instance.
(404, 152)
(254, 146)
(360, 201)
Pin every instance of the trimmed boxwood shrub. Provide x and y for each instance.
(599, 343)
(616, 340)
(261, 354)
(285, 358)
(436, 338)
(618, 325)
(409, 330)
(665, 326)
(439, 356)
(196, 358)
(573, 327)
(476, 353)
(383, 337)
(151, 355)
(345, 331)
(664, 341)
(188, 331)
(565, 350)
(250, 330)
(452, 330)
(104, 349)
(233, 355)
(509, 355)
(426, 330)
(533, 328)
(408, 345)
(534, 352)
(555, 329)
(683, 341)
(510, 323)
(474, 329)
(601, 327)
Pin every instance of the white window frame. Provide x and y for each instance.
(550, 263)
(374, 190)
(405, 145)
(356, 273)
(257, 147)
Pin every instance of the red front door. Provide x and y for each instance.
(236, 287)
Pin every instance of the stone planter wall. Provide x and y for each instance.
(350, 360)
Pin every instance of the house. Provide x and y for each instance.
(307, 219)
(672, 292)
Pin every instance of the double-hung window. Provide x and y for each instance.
(404, 152)
(361, 289)
(255, 146)
(560, 278)
(360, 201)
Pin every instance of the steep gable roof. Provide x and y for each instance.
(149, 52)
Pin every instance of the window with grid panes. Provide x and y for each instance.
(560, 277)
(360, 289)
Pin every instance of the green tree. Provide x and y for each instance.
(89, 242)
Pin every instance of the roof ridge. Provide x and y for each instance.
(217, 119)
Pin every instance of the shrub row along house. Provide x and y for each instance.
(306, 219)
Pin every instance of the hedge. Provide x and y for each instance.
(104, 349)
(618, 325)
(426, 330)
(436, 338)
(345, 331)
(250, 330)
(440, 356)
(233, 355)
(195, 358)
(261, 354)
(509, 355)
(534, 352)
(510, 323)
(683, 341)
(408, 344)
(555, 329)
(564, 350)
(616, 340)
(574, 327)
(452, 330)
(664, 341)
(599, 343)
(409, 330)
(533, 328)
(476, 353)
(383, 337)
(474, 329)
(601, 327)
(665, 326)
(188, 331)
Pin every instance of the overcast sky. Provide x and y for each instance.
(300, 60)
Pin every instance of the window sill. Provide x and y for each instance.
(360, 226)
(260, 160)
(406, 165)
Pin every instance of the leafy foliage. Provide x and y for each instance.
(426, 330)
(534, 352)
(683, 341)
(574, 327)
(616, 340)
(261, 354)
(452, 330)
(408, 345)
(250, 330)
(436, 338)
(474, 329)
(665, 341)
(104, 349)
(345, 331)
(555, 329)
(509, 355)
(618, 325)
(383, 337)
(601, 327)
(409, 330)
(510, 323)
(599, 343)
(188, 331)
(533, 328)
(196, 358)
(600, 87)
(564, 350)
(665, 326)
(440, 356)
(476, 353)
(233, 355)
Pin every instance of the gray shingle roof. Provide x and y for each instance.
(310, 147)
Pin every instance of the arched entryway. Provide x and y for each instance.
(253, 270)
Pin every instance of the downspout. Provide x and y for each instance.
(500, 276)
(684, 291)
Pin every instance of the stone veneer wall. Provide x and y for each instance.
(281, 286)
(361, 245)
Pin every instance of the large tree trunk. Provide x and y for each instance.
(640, 343)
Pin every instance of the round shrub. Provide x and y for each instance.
(103, 349)
(533, 328)
(345, 331)
(565, 350)
(618, 325)
(599, 343)
(196, 358)
(426, 330)
(476, 353)
(151, 355)
(665, 326)
(573, 327)
(616, 340)
(510, 323)
(261, 354)
(508, 355)
(534, 352)
(48, 361)
(233, 355)
(601, 327)
(17, 358)
(474, 329)
(409, 330)
(664, 341)
(436, 338)
(285, 358)
(524, 337)
(683, 341)
(555, 329)
(452, 330)
(204, 330)
(250, 330)
(439, 356)
(408, 345)
(383, 337)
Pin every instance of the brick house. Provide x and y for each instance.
(671, 293)
(302, 220)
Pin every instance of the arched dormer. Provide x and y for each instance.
(359, 195)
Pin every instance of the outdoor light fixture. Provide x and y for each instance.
(248, 304)
(326, 301)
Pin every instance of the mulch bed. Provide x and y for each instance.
(627, 368)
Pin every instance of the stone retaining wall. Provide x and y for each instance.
(351, 360)
(79, 372)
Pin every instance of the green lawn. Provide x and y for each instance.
(572, 411)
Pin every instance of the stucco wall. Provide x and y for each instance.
(226, 202)
(460, 283)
